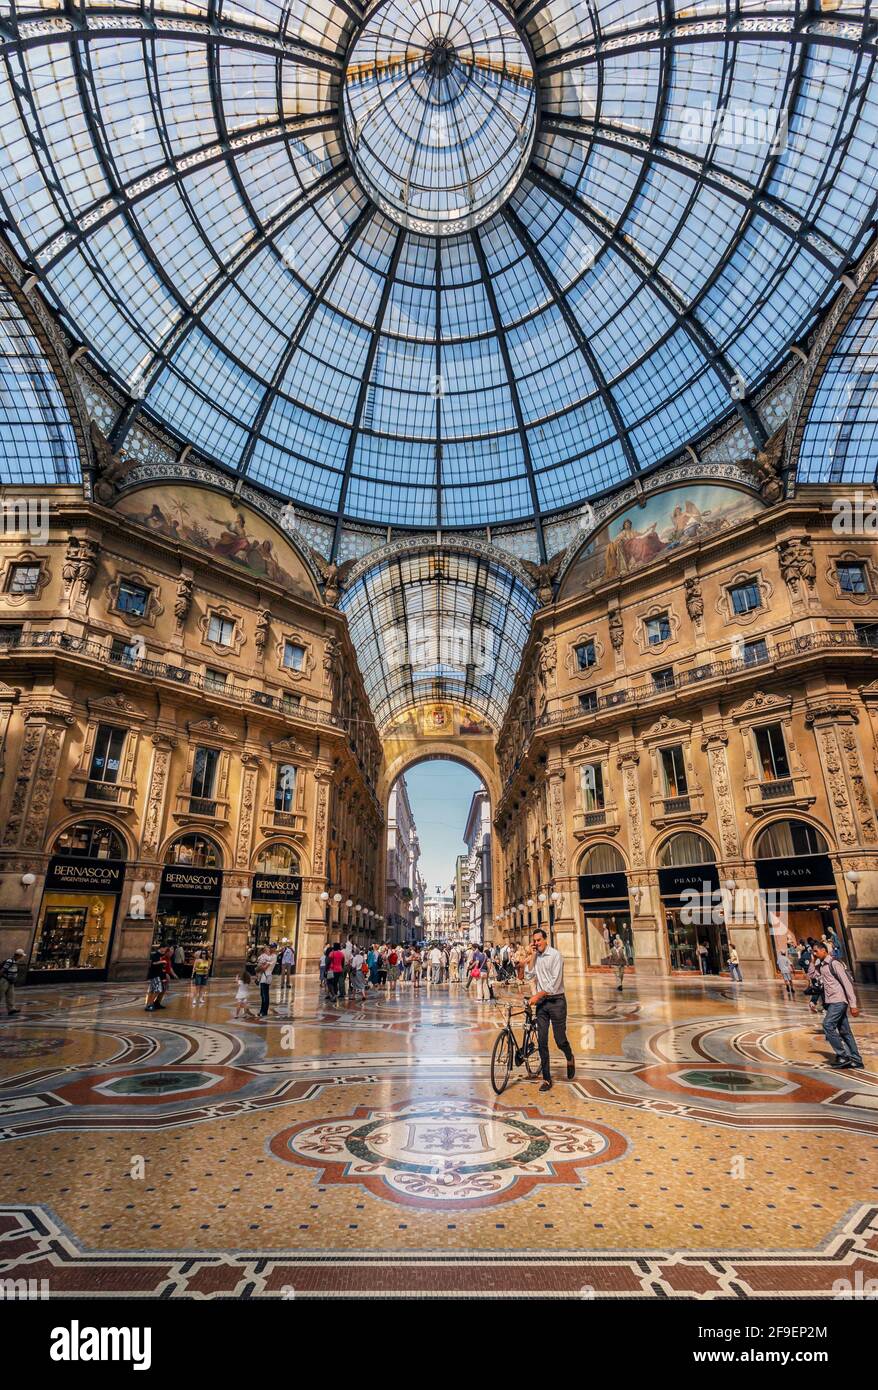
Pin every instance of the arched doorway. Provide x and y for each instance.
(277, 899)
(80, 903)
(794, 873)
(189, 895)
(439, 881)
(604, 903)
(688, 885)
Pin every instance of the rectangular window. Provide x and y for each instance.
(285, 787)
(745, 597)
(585, 655)
(106, 759)
(755, 651)
(664, 678)
(674, 770)
(204, 769)
(291, 702)
(123, 650)
(658, 629)
(772, 752)
(10, 634)
(588, 700)
(215, 680)
(852, 578)
(221, 630)
(867, 633)
(294, 656)
(593, 787)
(132, 598)
(23, 579)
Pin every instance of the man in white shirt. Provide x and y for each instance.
(436, 963)
(546, 966)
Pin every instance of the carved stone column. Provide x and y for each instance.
(8, 699)
(35, 779)
(247, 810)
(313, 933)
(156, 798)
(714, 745)
(650, 951)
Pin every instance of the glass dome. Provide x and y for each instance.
(179, 180)
(439, 112)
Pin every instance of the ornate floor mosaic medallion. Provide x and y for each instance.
(449, 1154)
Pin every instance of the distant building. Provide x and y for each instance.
(405, 886)
(478, 923)
(439, 915)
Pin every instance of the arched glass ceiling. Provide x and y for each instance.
(176, 175)
(438, 625)
(840, 439)
(37, 441)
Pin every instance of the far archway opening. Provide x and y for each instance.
(439, 881)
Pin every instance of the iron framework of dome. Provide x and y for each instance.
(176, 177)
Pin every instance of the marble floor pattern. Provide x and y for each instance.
(704, 1150)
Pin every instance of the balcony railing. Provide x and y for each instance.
(682, 681)
(677, 805)
(102, 791)
(162, 670)
(773, 791)
(594, 818)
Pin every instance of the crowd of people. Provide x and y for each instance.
(348, 971)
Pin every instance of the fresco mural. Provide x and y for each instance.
(668, 522)
(220, 526)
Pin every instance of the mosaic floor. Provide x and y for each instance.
(705, 1148)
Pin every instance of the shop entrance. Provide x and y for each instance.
(603, 898)
(277, 899)
(698, 942)
(80, 900)
(189, 897)
(794, 871)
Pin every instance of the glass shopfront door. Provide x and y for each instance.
(80, 899)
(187, 912)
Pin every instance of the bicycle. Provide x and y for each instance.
(509, 1052)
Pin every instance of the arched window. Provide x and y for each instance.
(602, 859)
(195, 851)
(785, 839)
(685, 848)
(90, 839)
(277, 859)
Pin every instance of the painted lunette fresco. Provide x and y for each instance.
(668, 522)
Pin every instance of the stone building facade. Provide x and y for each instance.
(403, 893)
(188, 753)
(689, 757)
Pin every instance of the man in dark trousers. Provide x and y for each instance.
(546, 966)
(837, 988)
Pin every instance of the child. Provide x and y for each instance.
(200, 972)
(242, 996)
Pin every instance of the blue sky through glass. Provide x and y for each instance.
(440, 793)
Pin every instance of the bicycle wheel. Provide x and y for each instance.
(501, 1060)
(531, 1054)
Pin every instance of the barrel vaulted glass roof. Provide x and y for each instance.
(438, 625)
(177, 176)
(840, 439)
(37, 441)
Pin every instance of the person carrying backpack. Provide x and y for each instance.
(839, 997)
(8, 979)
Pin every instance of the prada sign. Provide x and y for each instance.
(802, 871)
(699, 878)
(277, 888)
(602, 887)
(178, 881)
(85, 875)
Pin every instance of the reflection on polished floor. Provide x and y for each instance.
(705, 1148)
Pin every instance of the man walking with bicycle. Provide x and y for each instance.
(546, 966)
